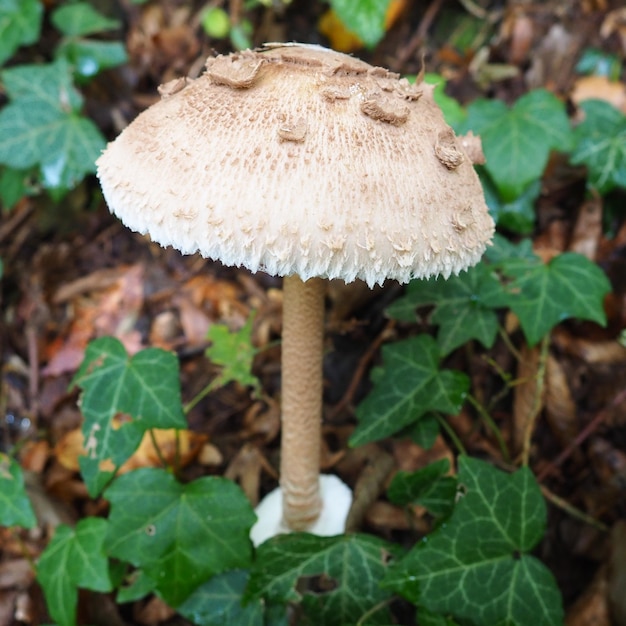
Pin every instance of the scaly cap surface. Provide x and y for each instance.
(295, 159)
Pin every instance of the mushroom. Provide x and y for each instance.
(309, 164)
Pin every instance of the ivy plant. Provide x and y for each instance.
(477, 567)
(44, 136)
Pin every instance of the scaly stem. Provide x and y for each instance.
(303, 328)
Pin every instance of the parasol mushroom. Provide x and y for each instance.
(308, 164)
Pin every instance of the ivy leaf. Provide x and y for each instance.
(424, 432)
(410, 385)
(13, 186)
(518, 141)
(20, 24)
(235, 353)
(347, 569)
(42, 125)
(518, 216)
(600, 144)
(428, 487)
(365, 18)
(74, 558)
(90, 57)
(219, 601)
(15, 506)
(122, 398)
(427, 618)
(179, 535)
(502, 250)
(542, 295)
(476, 566)
(82, 19)
(459, 309)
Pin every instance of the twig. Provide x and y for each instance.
(572, 510)
(359, 372)
(582, 436)
(420, 34)
(493, 427)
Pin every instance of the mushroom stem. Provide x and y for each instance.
(303, 327)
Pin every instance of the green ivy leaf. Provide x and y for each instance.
(13, 186)
(518, 141)
(219, 601)
(600, 144)
(142, 392)
(365, 18)
(20, 25)
(138, 585)
(459, 311)
(502, 250)
(424, 432)
(179, 535)
(517, 216)
(15, 506)
(42, 125)
(91, 57)
(428, 618)
(410, 385)
(599, 63)
(542, 295)
(348, 568)
(428, 487)
(476, 567)
(80, 19)
(234, 352)
(74, 558)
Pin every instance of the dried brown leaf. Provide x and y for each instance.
(525, 400)
(559, 404)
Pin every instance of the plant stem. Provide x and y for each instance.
(493, 427)
(303, 327)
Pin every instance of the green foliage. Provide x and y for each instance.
(365, 18)
(42, 126)
(179, 535)
(121, 399)
(408, 386)
(601, 145)
(517, 141)
(218, 602)
(518, 215)
(476, 566)
(541, 295)
(429, 487)
(460, 310)
(15, 507)
(74, 558)
(20, 25)
(544, 294)
(235, 353)
(599, 63)
(343, 575)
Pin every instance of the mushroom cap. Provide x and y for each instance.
(295, 159)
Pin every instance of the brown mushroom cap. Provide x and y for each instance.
(295, 159)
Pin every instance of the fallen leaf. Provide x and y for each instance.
(600, 88)
(525, 401)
